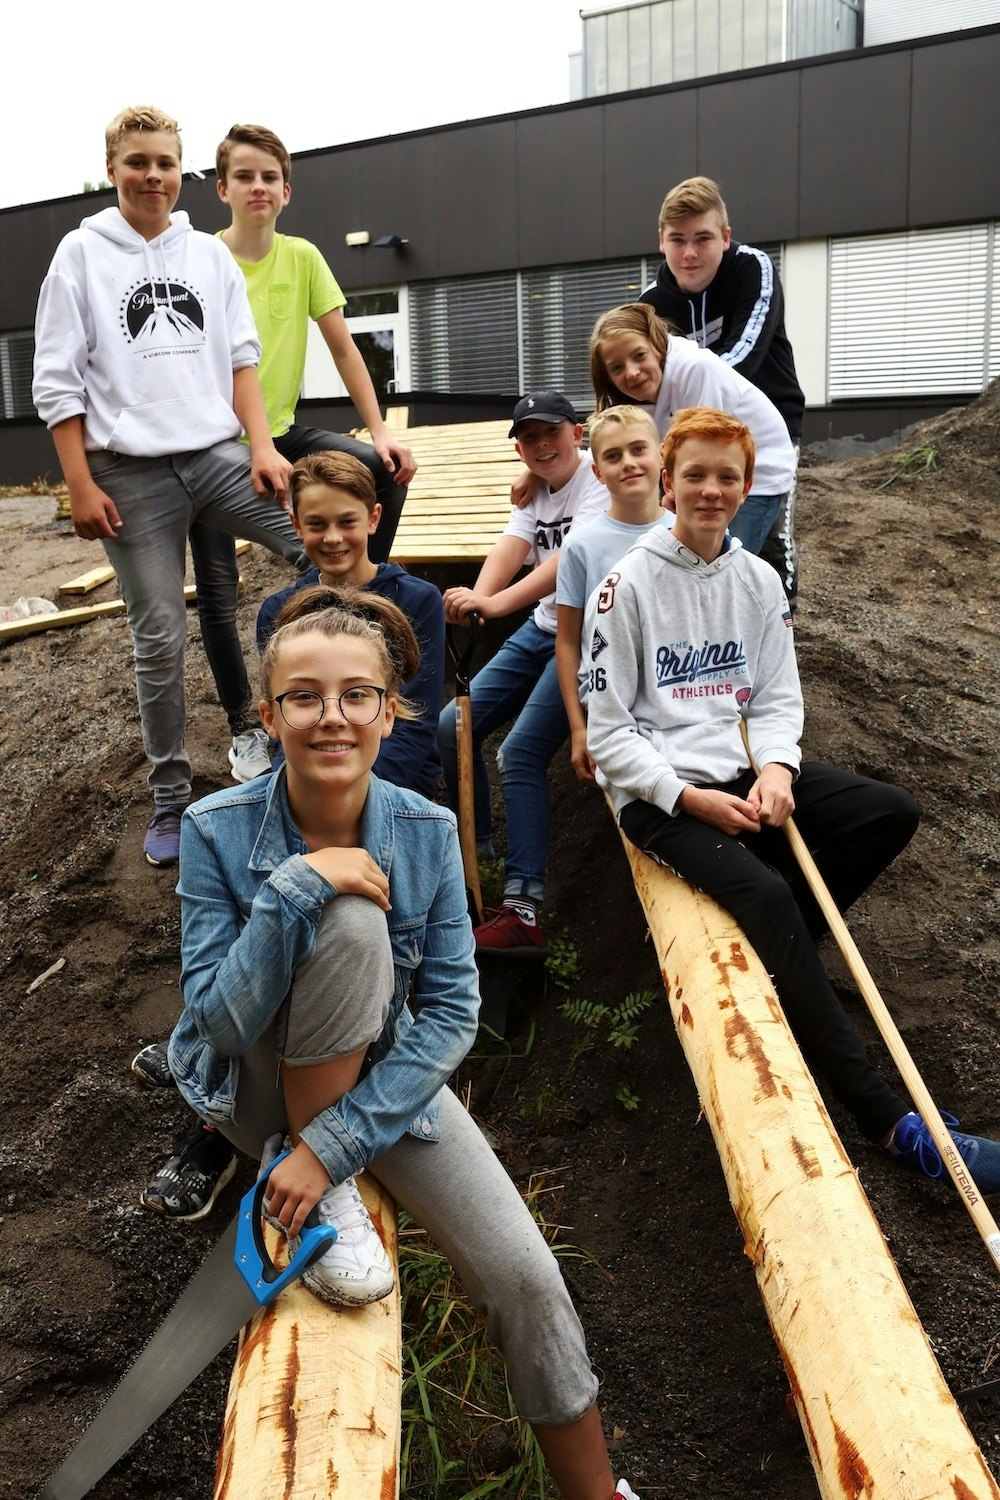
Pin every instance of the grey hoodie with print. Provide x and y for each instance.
(681, 650)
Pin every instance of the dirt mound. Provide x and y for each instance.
(898, 641)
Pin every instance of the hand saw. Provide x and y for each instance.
(236, 1279)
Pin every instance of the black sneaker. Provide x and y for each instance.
(152, 1067)
(187, 1185)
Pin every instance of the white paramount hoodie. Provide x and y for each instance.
(681, 650)
(141, 338)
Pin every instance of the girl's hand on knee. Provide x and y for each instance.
(295, 1186)
(352, 872)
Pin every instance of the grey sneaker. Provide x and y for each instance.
(248, 755)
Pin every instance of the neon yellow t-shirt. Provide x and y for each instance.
(292, 284)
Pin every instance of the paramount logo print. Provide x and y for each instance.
(162, 315)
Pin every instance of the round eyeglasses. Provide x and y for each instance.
(301, 708)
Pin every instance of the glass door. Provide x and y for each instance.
(378, 324)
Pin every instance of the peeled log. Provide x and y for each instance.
(315, 1395)
(877, 1415)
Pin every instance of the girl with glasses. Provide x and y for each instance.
(330, 992)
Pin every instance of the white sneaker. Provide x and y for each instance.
(624, 1491)
(249, 756)
(355, 1270)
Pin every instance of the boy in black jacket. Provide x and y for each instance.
(727, 297)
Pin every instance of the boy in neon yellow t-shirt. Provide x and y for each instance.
(288, 284)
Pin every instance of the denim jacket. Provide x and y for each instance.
(249, 909)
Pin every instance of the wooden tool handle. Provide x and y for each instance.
(959, 1172)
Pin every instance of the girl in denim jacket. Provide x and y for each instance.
(330, 991)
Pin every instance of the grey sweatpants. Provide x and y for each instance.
(454, 1187)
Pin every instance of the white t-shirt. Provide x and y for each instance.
(545, 522)
(586, 559)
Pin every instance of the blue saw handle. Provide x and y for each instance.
(251, 1258)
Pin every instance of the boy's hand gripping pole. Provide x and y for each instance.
(961, 1176)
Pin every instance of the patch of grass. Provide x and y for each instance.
(913, 464)
(462, 1439)
(491, 880)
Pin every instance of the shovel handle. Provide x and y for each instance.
(251, 1256)
(462, 661)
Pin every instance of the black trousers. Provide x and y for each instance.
(854, 828)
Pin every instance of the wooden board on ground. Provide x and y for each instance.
(314, 1406)
(87, 581)
(459, 500)
(34, 624)
(878, 1418)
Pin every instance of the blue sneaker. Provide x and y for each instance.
(912, 1147)
(162, 844)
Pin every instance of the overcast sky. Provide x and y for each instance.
(318, 74)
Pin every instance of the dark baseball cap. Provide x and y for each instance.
(543, 406)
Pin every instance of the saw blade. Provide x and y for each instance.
(209, 1312)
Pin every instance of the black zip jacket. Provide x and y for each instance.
(740, 316)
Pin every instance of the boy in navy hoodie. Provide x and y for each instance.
(145, 373)
(335, 512)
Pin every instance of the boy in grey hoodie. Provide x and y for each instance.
(690, 634)
(145, 373)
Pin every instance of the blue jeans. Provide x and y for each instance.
(520, 683)
(216, 571)
(158, 499)
(754, 519)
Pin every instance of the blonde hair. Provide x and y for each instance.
(340, 471)
(695, 195)
(359, 615)
(634, 318)
(137, 117)
(709, 425)
(252, 135)
(615, 418)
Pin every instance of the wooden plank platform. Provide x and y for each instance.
(459, 500)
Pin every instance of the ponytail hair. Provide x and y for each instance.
(633, 319)
(352, 612)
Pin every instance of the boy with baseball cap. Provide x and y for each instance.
(520, 683)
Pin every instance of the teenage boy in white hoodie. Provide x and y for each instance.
(145, 373)
(693, 633)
